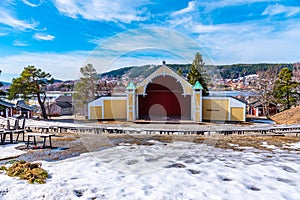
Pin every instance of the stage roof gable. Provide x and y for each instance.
(164, 71)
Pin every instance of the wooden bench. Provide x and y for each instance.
(42, 135)
(3, 136)
(297, 132)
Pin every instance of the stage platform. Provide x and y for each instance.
(167, 122)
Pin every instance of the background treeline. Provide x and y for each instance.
(238, 70)
(226, 71)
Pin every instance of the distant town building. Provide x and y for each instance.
(257, 108)
(6, 108)
(63, 106)
(64, 98)
(23, 109)
(296, 72)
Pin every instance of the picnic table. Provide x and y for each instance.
(3, 135)
(11, 130)
(44, 136)
(5, 132)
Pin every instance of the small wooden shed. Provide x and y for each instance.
(6, 108)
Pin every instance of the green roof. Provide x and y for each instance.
(131, 86)
(197, 86)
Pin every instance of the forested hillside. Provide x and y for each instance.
(226, 71)
(237, 70)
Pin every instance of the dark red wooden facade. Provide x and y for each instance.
(164, 100)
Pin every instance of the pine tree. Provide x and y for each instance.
(85, 89)
(285, 90)
(197, 72)
(31, 83)
(180, 72)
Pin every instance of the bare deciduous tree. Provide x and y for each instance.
(85, 89)
(264, 86)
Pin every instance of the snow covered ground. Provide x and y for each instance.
(178, 170)
(9, 151)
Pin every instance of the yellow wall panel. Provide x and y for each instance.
(130, 116)
(237, 114)
(140, 90)
(96, 112)
(197, 117)
(114, 109)
(215, 109)
(130, 99)
(197, 99)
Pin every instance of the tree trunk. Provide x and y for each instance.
(42, 105)
(266, 110)
(44, 113)
(288, 100)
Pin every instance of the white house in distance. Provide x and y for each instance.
(166, 96)
(61, 106)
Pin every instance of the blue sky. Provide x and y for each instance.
(60, 36)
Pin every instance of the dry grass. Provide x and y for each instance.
(219, 141)
(291, 116)
(66, 136)
(27, 171)
(70, 145)
(254, 141)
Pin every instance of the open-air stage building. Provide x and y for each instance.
(166, 96)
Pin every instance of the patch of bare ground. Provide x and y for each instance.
(234, 142)
(67, 145)
(291, 116)
(237, 142)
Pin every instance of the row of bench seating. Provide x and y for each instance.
(18, 128)
(15, 126)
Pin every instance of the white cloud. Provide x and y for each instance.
(96, 41)
(200, 28)
(151, 38)
(135, 47)
(189, 8)
(179, 21)
(20, 43)
(105, 10)
(144, 46)
(35, 4)
(281, 9)
(66, 66)
(7, 19)
(62, 66)
(211, 5)
(3, 34)
(237, 28)
(253, 43)
(109, 63)
(43, 36)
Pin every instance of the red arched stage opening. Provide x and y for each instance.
(164, 100)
